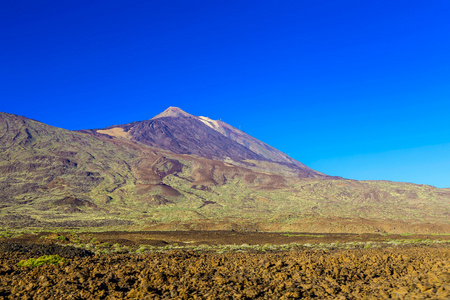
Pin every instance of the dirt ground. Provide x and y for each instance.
(407, 271)
(161, 238)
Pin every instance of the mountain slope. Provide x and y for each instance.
(50, 171)
(255, 145)
(47, 172)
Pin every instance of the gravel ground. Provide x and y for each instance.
(414, 272)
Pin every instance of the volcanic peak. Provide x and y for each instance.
(173, 112)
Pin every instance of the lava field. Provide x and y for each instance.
(409, 272)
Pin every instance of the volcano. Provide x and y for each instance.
(180, 132)
(179, 171)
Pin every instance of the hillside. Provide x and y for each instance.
(53, 177)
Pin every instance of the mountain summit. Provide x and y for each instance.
(182, 133)
(172, 112)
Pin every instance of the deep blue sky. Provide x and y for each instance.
(359, 89)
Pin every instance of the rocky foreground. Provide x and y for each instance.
(414, 272)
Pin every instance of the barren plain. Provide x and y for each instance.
(224, 265)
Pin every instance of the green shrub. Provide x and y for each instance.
(43, 260)
(141, 249)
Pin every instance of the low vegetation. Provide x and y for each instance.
(43, 260)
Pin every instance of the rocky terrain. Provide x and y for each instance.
(179, 171)
(408, 271)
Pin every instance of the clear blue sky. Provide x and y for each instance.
(359, 89)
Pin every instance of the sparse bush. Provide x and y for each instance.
(61, 238)
(43, 260)
(141, 249)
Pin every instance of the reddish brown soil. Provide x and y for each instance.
(398, 273)
(315, 224)
(161, 238)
